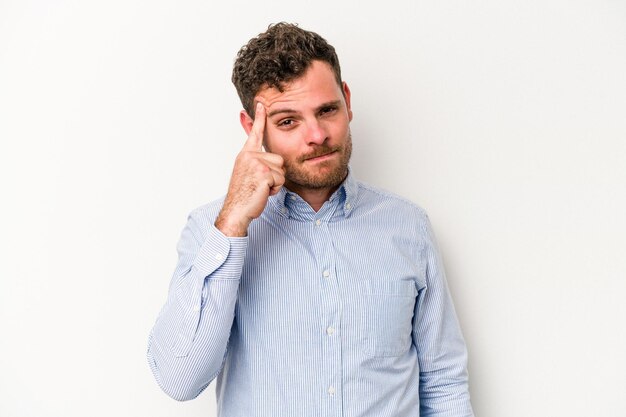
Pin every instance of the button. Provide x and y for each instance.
(196, 308)
(348, 206)
(330, 330)
(326, 273)
(293, 197)
(219, 256)
(331, 390)
(284, 210)
(318, 222)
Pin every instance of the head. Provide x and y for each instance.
(295, 75)
(277, 56)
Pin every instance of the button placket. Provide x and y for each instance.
(330, 319)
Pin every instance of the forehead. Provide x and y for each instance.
(318, 85)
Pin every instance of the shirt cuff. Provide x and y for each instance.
(221, 252)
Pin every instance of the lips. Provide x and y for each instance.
(320, 157)
(320, 154)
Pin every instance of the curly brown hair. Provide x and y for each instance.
(277, 56)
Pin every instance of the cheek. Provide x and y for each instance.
(341, 125)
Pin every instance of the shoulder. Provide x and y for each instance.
(396, 215)
(372, 197)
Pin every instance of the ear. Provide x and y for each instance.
(346, 95)
(246, 121)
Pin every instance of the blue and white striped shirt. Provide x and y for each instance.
(343, 313)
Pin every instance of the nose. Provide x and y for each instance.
(316, 133)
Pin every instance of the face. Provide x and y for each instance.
(308, 124)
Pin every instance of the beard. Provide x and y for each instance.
(326, 174)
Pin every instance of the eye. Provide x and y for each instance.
(328, 110)
(285, 123)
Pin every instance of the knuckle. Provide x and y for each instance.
(243, 156)
(260, 167)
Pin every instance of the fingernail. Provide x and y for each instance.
(259, 106)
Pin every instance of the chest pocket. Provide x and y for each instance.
(386, 316)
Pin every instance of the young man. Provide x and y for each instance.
(304, 291)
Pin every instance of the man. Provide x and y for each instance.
(303, 291)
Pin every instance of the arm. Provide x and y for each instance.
(188, 343)
(441, 349)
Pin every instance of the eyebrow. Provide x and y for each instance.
(279, 111)
(335, 103)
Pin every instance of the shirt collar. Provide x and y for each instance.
(341, 203)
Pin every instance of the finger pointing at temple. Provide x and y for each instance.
(255, 137)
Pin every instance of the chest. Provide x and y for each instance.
(307, 279)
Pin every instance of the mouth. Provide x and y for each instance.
(321, 158)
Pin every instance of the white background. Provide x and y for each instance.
(505, 120)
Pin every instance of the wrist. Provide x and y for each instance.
(231, 226)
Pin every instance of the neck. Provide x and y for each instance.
(314, 197)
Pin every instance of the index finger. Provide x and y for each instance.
(255, 138)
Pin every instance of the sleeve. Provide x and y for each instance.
(441, 350)
(188, 343)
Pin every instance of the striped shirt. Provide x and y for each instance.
(340, 312)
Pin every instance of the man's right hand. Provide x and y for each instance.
(257, 175)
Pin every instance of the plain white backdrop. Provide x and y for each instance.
(505, 120)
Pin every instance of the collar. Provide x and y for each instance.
(340, 204)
